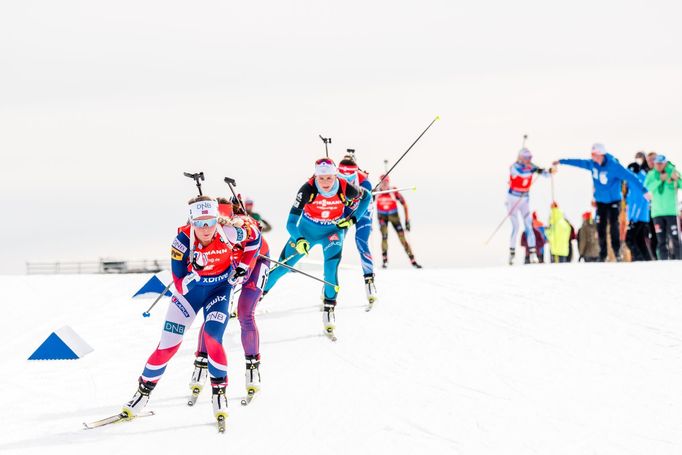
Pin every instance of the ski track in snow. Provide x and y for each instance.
(560, 359)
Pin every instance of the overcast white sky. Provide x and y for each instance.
(103, 105)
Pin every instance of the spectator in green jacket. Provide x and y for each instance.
(663, 183)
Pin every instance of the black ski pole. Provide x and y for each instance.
(403, 155)
(293, 269)
(326, 140)
(232, 183)
(197, 177)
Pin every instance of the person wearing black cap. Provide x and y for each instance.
(638, 214)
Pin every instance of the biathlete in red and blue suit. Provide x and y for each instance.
(203, 278)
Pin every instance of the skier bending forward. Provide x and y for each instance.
(317, 219)
(255, 270)
(203, 277)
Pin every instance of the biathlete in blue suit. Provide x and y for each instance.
(348, 170)
(317, 218)
(608, 176)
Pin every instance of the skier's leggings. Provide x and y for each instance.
(394, 219)
(666, 230)
(518, 205)
(181, 312)
(330, 238)
(363, 229)
(249, 296)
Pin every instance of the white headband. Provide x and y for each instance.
(325, 168)
(203, 208)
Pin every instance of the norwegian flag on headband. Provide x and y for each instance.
(204, 212)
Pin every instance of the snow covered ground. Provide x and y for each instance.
(564, 359)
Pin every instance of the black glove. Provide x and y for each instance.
(199, 260)
(236, 276)
(407, 225)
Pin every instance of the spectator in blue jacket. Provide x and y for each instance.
(638, 214)
(608, 176)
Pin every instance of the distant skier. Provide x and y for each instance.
(317, 218)
(248, 204)
(663, 182)
(607, 176)
(520, 180)
(348, 170)
(203, 277)
(387, 212)
(245, 256)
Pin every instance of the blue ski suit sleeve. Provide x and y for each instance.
(292, 222)
(302, 198)
(179, 256)
(354, 192)
(584, 164)
(627, 175)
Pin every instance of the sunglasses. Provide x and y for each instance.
(205, 223)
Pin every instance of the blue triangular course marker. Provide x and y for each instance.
(153, 286)
(53, 349)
